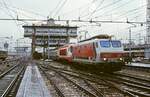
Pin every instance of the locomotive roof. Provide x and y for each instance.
(84, 42)
(102, 36)
(67, 45)
(90, 41)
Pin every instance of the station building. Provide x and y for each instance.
(49, 34)
(22, 51)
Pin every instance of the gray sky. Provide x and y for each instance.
(134, 10)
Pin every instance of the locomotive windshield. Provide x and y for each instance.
(112, 43)
(105, 43)
(116, 43)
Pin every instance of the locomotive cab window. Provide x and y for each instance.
(105, 43)
(116, 43)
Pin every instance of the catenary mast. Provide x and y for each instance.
(148, 22)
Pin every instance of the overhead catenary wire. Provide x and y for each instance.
(17, 13)
(76, 9)
(129, 14)
(137, 16)
(50, 13)
(8, 11)
(126, 14)
(29, 11)
(132, 10)
(82, 21)
(127, 28)
(104, 7)
(134, 28)
(102, 1)
(14, 9)
(82, 9)
(114, 9)
(20, 11)
(61, 6)
(10, 14)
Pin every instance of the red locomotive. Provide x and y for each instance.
(99, 53)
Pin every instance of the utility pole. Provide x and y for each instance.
(33, 40)
(147, 54)
(85, 35)
(17, 47)
(130, 43)
(67, 31)
(48, 43)
(43, 48)
(148, 22)
(139, 38)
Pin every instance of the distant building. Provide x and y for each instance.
(21, 51)
(53, 34)
(147, 53)
(142, 50)
(49, 34)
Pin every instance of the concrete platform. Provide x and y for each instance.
(33, 84)
(139, 65)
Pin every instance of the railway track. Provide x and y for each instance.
(137, 86)
(7, 64)
(138, 68)
(66, 87)
(9, 79)
(98, 87)
(138, 79)
(10, 60)
(126, 84)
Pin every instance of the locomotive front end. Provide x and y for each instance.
(111, 54)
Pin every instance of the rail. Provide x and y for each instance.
(131, 87)
(13, 82)
(90, 78)
(52, 82)
(74, 84)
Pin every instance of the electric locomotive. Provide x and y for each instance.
(98, 53)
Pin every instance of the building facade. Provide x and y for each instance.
(49, 34)
(53, 35)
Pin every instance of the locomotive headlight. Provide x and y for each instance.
(121, 59)
(104, 59)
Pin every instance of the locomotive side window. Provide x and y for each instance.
(63, 52)
(116, 43)
(105, 43)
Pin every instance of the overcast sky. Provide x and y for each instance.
(134, 10)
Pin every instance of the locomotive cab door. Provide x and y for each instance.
(96, 49)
